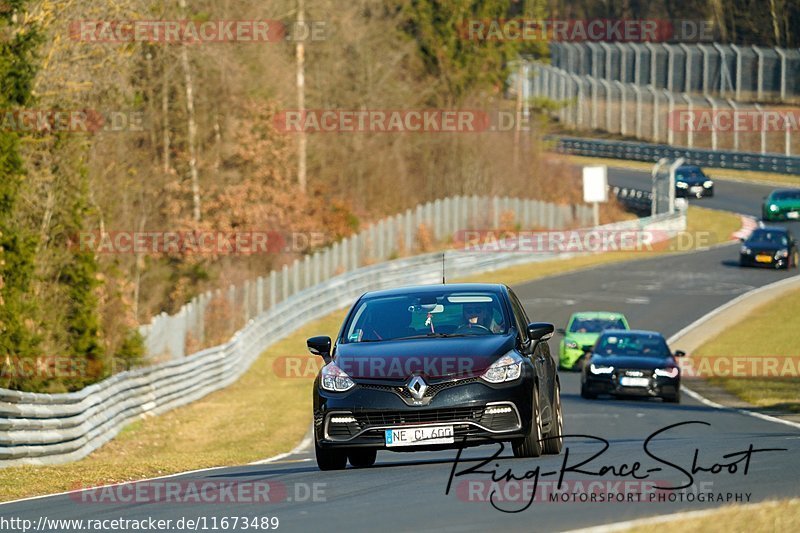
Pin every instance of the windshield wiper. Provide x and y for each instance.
(431, 336)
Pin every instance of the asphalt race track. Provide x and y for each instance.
(405, 492)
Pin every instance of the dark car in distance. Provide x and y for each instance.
(691, 181)
(769, 246)
(435, 367)
(632, 363)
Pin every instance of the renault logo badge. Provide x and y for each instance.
(417, 387)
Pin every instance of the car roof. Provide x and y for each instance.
(597, 314)
(497, 288)
(636, 332)
(786, 190)
(776, 229)
(687, 167)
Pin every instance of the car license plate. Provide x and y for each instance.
(764, 258)
(626, 381)
(416, 436)
(697, 188)
(793, 214)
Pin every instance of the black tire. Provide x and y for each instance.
(330, 459)
(553, 440)
(673, 399)
(362, 458)
(586, 394)
(531, 444)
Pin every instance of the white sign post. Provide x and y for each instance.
(595, 188)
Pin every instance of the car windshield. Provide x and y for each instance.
(632, 344)
(786, 195)
(426, 314)
(769, 237)
(689, 172)
(595, 325)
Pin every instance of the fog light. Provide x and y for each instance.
(497, 410)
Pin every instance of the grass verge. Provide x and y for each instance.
(262, 414)
(777, 328)
(759, 518)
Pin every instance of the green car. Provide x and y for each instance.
(782, 204)
(582, 332)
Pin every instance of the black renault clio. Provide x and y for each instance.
(435, 367)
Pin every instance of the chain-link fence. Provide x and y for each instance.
(744, 73)
(663, 116)
(211, 318)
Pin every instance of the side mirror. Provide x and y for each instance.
(561, 331)
(540, 331)
(320, 346)
(679, 353)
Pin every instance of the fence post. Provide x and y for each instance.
(273, 288)
(285, 282)
(260, 295)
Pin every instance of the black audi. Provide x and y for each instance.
(690, 180)
(632, 363)
(435, 367)
(769, 246)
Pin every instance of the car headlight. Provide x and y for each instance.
(782, 253)
(668, 372)
(335, 379)
(774, 208)
(571, 345)
(708, 184)
(682, 185)
(507, 368)
(745, 250)
(600, 369)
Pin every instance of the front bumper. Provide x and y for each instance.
(359, 418)
(658, 386)
(694, 192)
(774, 262)
(778, 216)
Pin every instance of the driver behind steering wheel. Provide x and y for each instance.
(478, 315)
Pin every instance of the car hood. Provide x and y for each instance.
(436, 358)
(639, 362)
(583, 339)
(785, 204)
(693, 180)
(765, 246)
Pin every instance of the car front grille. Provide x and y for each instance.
(364, 420)
(403, 392)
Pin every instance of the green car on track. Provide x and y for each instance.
(782, 204)
(583, 330)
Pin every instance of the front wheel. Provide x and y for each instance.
(531, 444)
(673, 399)
(585, 394)
(362, 458)
(330, 459)
(553, 439)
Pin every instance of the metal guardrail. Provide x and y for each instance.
(636, 201)
(651, 153)
(59, 428)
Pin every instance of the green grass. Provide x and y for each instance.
(760, 518)
(772, 329)
(263, 413)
